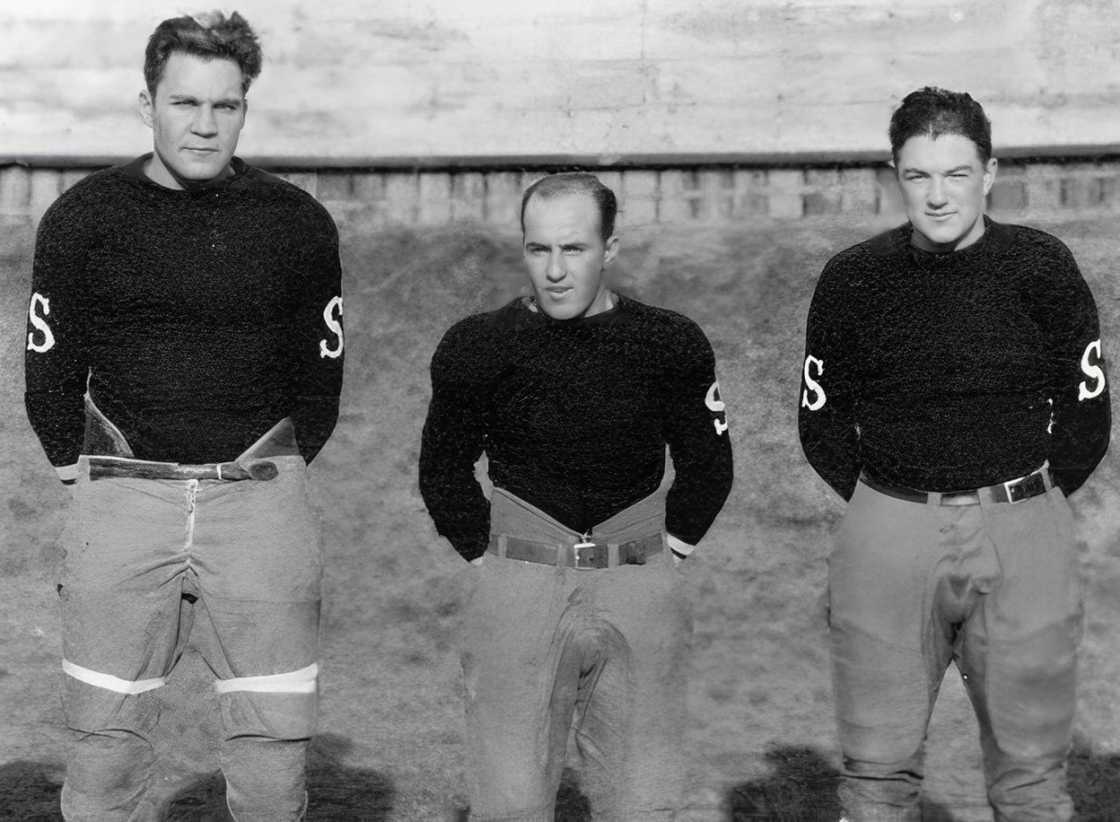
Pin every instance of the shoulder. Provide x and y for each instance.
(664, 319)
(671, 332)
(288, 201)
(1042, 264)
(1030, 242)
(88, 201)
(865, 257)
(476, 342)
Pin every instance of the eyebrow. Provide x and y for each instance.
(193, 99)
(912, 170)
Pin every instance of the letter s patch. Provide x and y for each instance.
(1091, 361)
(716, 406)
(332, 316)
(39, 303)
(819, 399)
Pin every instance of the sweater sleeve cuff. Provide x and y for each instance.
(679, 546)
(67, 473)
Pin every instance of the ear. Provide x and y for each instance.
(611, 249)
(145, 107)
(990, 174)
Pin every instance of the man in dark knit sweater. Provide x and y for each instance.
(184, 362)
(954, 393)
(578, 614)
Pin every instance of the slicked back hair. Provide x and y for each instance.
(933, 112)
(575, 182)
(210, 35)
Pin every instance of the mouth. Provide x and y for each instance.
(940, 217)
(201, 152)
(558, 291)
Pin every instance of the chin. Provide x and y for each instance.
(201, 172)
(562, 312)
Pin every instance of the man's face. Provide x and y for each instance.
(196, 117)
(566, 254)
(944, 184)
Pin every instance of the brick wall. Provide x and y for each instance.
(370, 199)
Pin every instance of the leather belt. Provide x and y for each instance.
(106, 467)
(581, 555)
(1016, 490)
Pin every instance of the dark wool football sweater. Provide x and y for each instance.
(574, 417)
(201, 317)
(953, 371)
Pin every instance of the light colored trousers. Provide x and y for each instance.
(547, 649)
(235, 568)
(991, 587)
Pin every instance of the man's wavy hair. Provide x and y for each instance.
(210, 35)
(575, 182)
(934, 111)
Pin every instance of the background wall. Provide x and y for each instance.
(746, 140)
(459, 81)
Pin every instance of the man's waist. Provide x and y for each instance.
(105, 467)
(582, 553)
(109, 454)
(1016, 489)
(516, 516)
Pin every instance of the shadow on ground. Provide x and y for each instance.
(801, 788)
(30, 791)
(337, 793)
(571, 804)
(1094, 783)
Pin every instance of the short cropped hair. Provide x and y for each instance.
(933, 112)
(575, 182)
(210, 35)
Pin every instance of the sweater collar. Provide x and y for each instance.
(991, 241)
(538, 316)
(134, 171)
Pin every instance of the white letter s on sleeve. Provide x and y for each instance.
(38, 301)
(717, 406)
(1092, 370)
(332, 316)
(819, 399)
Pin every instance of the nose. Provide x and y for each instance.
(204, 123)
(935, 196)
(555, 271)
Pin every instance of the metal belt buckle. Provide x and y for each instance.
(584, 555)
(1016, 489)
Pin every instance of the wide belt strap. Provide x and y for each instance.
(1016, 490)
(105, 467)
(252, 463)
(582, 555)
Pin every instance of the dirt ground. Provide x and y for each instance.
(762, 743)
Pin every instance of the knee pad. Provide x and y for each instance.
(276, 706)
(94, 701)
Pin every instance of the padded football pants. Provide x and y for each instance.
(235, 568)
(992, 587)
(550, 648)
